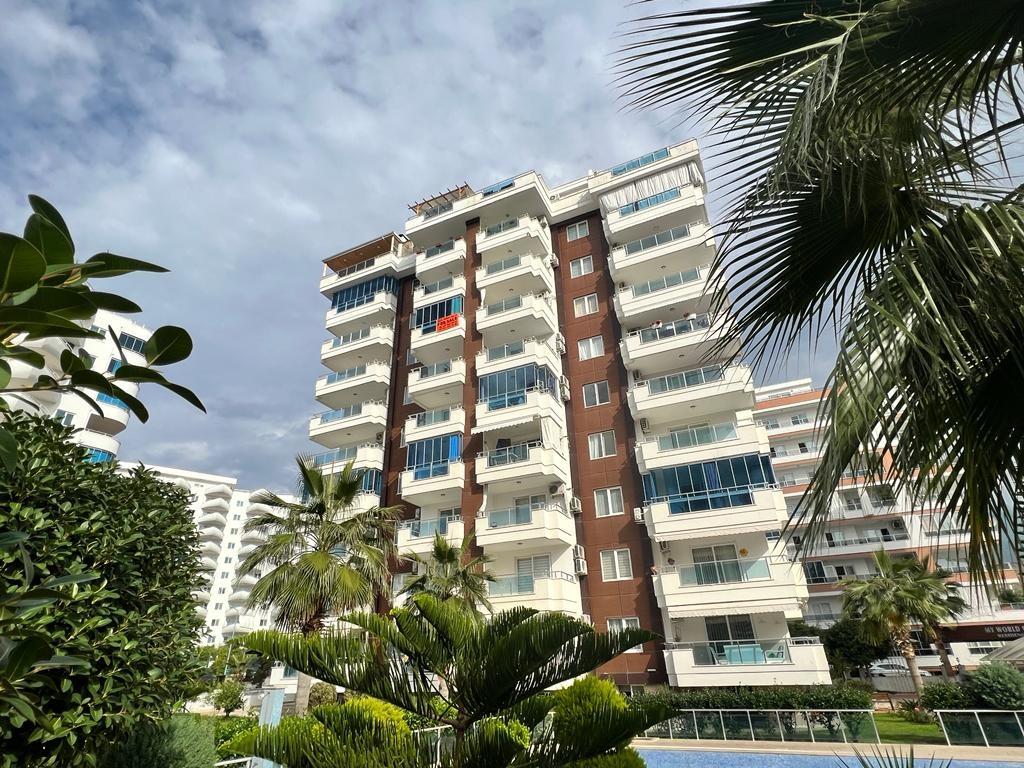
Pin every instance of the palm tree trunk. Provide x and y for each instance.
(947, 666)
(303, 683)
(907, 649)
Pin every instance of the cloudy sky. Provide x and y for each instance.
(239, 144)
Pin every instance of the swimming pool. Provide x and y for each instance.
(686, 758)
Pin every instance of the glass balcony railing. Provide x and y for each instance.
(427, 471)
(694, 436)
(505, 350)
(501, 186)
(437, 250)
(510, 399)
(649, 202)
(512, 454)
(640, 162)
(428, 288)
(505, 305)
(339, 376)
(871, 538)
(341, 413)
(435, 369)
(522, 583)
(724, 572)
(497, 229)
(420, 529)
(738, 652)
(352, 270)
(437, 210)
(695, 378)
(331, 457)
(670, 330)
(349, 338)
(437, 416)
(510, 263)
(504, 518)
(660, 238)
(669, 281)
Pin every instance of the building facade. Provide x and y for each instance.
(868, 515)
(96, 431)
(528, 366)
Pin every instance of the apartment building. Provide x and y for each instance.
(96, 431)
(526, 365)
(868, 515)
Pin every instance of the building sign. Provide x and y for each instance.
(446, 323)
(972, 633)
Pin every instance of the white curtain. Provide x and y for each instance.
(680, 176)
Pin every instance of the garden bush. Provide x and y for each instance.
(578, 702)
(839, 696)
(228, 696)
(226, 728)
(944, 695)
(379, 710)
(996, 686)
(182, 741)
(321, 694)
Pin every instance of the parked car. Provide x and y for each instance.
(892, 668)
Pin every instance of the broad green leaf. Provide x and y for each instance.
(92, 380)
(46, 209)
(168, 344)
(113, 302)
(8, 450)
(70, 362)
(49, 240)
(21, 265)
(134, 404)
(183, 392)
(28, 356)
(24, 655)
(26, 316)
(137, 373)
(63, 302)
(5, 373)
(10, 539)
(112, 265)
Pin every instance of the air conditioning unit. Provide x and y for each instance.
(578, 552)
(575, 505)
(560, 344)
(581, 566)
(898, 524)
(644, 425)
(665, 546)
(566, 393)
(585, 618)
(555, 489)
(638, 514)
(637, 376)
(553, 261)
(544, 223)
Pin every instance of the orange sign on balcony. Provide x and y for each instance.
(447, 323)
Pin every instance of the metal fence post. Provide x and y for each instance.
(750, 722)
(696, 730)
(842, 727)
(981, 728)
(670, 727)
(782, 731)
(874, 725)
(721, 719)
(810, 726)
(1017, 717)
(942, 725)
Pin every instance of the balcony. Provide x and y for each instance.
(518, 317)
(521, 466)
(517, 275)
(670, 346)
(443, 288)
(675, 294)
(359, 423)
(788, 661)
(367, 381)
(515, 237)
(703, 513)
(783, 457)
(362, 345)
(255, 510)
(440, 341)
(442, 259)
(865, 544)
(210, 548)
(653, 214)
(712, 441)
(440, 421)
(695, 393)
(645, 258)
(649, 163)
(710, 589)
(518, 408)
(215, 502)
(113, 416)
(557, 591)
(376, 309)
(398, 260)
(434, 485)
(417, 536)
(511, 528)
(365, 456)
(438, 384)
(101, 441)
(501, 356)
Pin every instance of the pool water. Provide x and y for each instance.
(685, 758)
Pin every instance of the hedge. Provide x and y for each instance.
(840, 696)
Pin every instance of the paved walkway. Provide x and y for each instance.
(921, 751)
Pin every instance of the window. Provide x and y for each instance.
(508, 388)
(113, 365)
(97, 456)
(233, 531)
(814, 572)
(602, 444)
(803, 447)
(595, 394)
(222, 590)
(215, 623)
(715, 484)
(576, 231)
(289, 672)
(134, 343)
(64, 417)
(406, 397)
(239, 503)
(410, 357)
(218, 606)
(223, 574)
(591, 348)
(984, 647)
(103, 397)
(582, 266)
(798, 419)
(425, 318)
(231, 545)
(263, 622)
(769, 423)
(608, 501)
(585, 305)
(236, 517)
(628, 622)
(227, 560)
(616, 565)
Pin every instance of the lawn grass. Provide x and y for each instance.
(893, 729)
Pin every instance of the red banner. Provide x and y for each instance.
(447, 323)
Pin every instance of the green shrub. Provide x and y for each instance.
(912, 711)
(182, 741)
(379, 710)
(440, 709)
(626, 758)
(321, 694)
(577, 703)
(227, 697)
(839, 696)
(997, 686)
(943, 695)
(135, 626)
(226, 728)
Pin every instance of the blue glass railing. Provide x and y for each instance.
(652, 241)
(103, 397)
(439, 249)
(501, 186)
(684, 380)
(640, 162)
(426, 471)
(649, 202)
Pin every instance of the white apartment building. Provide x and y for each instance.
(868, 516)
(526, 365)
(96, 431)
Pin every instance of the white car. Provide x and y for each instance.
(893, 669)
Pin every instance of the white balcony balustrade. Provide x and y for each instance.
(727, 511)
(435, 423)
(518, 317)
(362, 345)
(500, 356)
(441, 259)
(669, 346)
(523, 465)
(786, 661)
(697, 392)
(438, 384)
(680, 247)
(513, 527)
(516, 275)
(366, 381)
(717, 439)
(418, 535)
(678, 292)
(434, 485)
(358, 423)
(443, 288)
(556, 591)
(372, 309)
(516, 237)
(441, 340)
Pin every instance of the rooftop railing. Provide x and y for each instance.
(640, 162)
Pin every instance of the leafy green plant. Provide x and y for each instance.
(838, 696)
(45, 294)
(134, 626)
(847, 650)
(893, 758)
(227, 728)
(997, 686)
(227, 697)
(321, 694)
(182, 741)
(944, 695)
(626, 758)
(380, 711)
(913, 711)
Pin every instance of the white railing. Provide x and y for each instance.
(814, 725)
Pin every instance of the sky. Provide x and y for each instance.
(240, 144)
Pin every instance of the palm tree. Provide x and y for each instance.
(479, 679)
(451, 572)
(869, 199)
(318, 558)
(902, 593)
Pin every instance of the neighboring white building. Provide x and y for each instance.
(96, 431)
(525, 364)
(867, 516)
